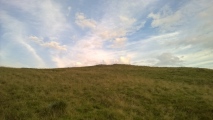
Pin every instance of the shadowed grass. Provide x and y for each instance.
(106, 92)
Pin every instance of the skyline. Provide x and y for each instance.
(55, 34)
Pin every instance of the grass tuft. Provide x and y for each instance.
(55, 109)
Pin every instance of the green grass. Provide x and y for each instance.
(116, 92)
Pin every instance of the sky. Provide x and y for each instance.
(75, 33)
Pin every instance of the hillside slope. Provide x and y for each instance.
(115, 92)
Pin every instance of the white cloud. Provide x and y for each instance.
(83, 57)
(124, 60)
(78, 64)
(115, 33)
(14, 35)
(54, 45)
(33, 51)
(168, 59)
(52, 18)
(202, 58)
(36, 39)
(193, 20)
(147, 50)
(119, 42)
(51, 44)
(61, 61)
(113, 28)
(166, 19)
(118, 28)
(110, 34)
(89, 51)
(46, 16)
(83, 22)
(69, 9)
(126, 21)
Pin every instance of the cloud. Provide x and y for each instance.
(118, 28)
(78, 64)
(89, 51)
(83, 22)
(124, 60)
(14, 44)
(192, 20)
(54, 45)
(69, 9)
(119, 42)
(82, 57)
(168, 59)
(126, 21)
(147, 50)
(110, 34)
(198, 58)
(46, 16)
(36, 39)
(142, 32)
(166, 19)
(51, 17)
(106, 34)
(51, 44)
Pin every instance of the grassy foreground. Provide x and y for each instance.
(116, 92)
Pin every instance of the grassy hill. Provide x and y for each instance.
(115, 92)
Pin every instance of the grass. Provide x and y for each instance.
(116, 92)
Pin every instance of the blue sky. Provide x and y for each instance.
(72, 33)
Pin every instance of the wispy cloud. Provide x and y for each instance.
(118, 42)
(166, 19)
(14, 35)
(69, 10)
(51, 44)
(72, 33)
(83, 22)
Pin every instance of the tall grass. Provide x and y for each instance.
(106, 92)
